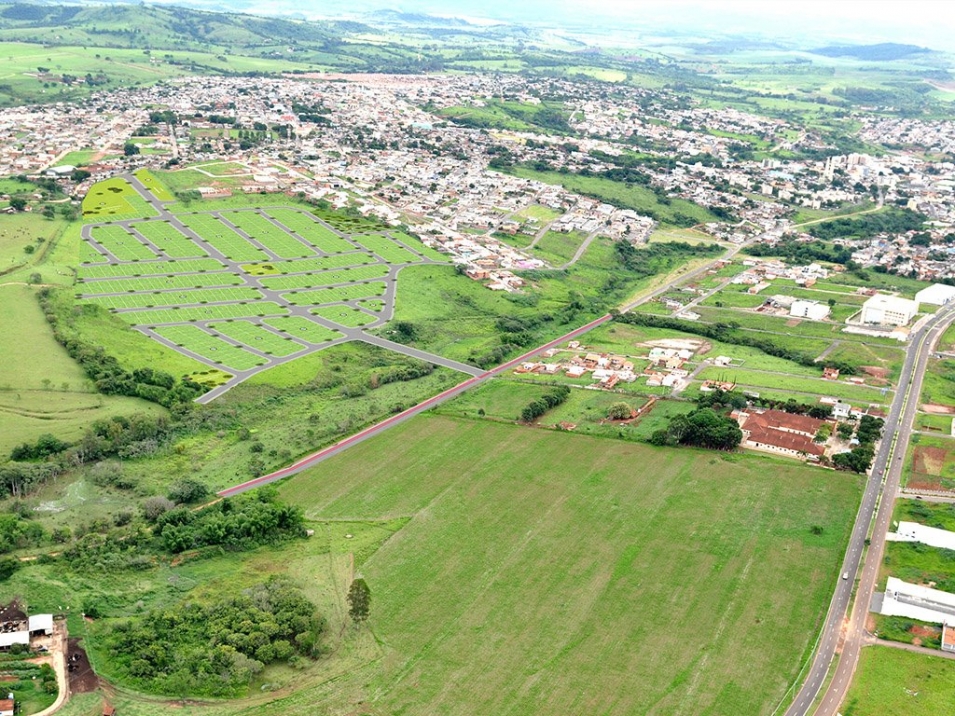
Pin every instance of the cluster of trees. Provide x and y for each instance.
(802, 252)
(550, 399)
(18, 533)
(109, 376)
(216, 648)
(732, 333)
(703, 427)
(859, 459)
(893, 221)
(655, 258)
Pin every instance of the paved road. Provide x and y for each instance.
(838, 633)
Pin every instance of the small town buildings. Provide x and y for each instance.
(7, 707)
(948, 636)
(902, 599)
(882, 310)
(813, 310)
(830, 374)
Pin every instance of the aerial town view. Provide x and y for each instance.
(477, 358)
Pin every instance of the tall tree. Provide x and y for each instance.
(359, 600)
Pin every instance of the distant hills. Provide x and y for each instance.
(876, 53)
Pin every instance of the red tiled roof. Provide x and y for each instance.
(787, 441)
(780, 420)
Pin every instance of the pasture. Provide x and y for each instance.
(545, 556)
(891, 682)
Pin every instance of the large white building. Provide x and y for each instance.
(914, 532)
(938, 294)
(809, 309)
(881, 310)
(902, 599)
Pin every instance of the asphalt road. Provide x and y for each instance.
(848, 636)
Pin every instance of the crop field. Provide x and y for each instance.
(257, 337)
(337, 294)
(319, 236)
(198, 341)
(276, 240)
(344, 315)
(153, 268)
(158, 283)
(221, 237)
(202, 313)
(326, 278)
(891, 682)
(386, 248)
(177, 298)
(303, 329)
(626, 545)
(122, 244)
(115, 199)
(167, 239)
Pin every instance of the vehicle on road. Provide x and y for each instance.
(845, 575)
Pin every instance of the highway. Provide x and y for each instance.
(838, 634)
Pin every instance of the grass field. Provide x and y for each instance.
(178, 298)
(326, 278)
(344, 315)
(167, 239)
(891, 682)
(202, 313)
(581, 559)
(157, 188)
(303, 329)
(114, 199)
(158, 283)
(215, 349)
(318, 296)
(122, 244)
(268, 234)
(42, 390)
(385, 248)
(257, 337)
(306, 226)
(224, 239)
(153, 268)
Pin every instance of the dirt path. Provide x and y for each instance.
(58, 646)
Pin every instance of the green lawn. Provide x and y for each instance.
(545, 556)
(114, 199)
(891, 682)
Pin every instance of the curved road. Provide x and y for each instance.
(880, 492)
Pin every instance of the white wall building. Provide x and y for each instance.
(914, 532)
(902, 599)
(883, 310)
(813, 310)
(937, 294)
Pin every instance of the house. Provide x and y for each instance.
(785, 433)
(948, 636)
(841, 411)
(109, 710)
(830, 374)
(7, 707)
(40, 625)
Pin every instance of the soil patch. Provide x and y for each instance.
(876, 372)
(938, 409)
(676, 344)
(923, 631)
(793, 323)
(82, 677)
(929, 460)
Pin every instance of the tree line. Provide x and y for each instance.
(551, 399)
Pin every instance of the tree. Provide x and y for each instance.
(359, 600)
(619, 411)
(18, 203)
(130, 149)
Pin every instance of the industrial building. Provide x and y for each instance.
(938, 294)
(903, 599)
(813, 310)
(881, 310)
(932, 536)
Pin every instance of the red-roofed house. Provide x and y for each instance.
(781, 432)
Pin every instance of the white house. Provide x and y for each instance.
(813, 310)
(884, 310)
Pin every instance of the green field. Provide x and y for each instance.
(323, 263)
(318, 296)
(42, 390)
(418, 246)
(344, 315)
(386, 248)
(154, 185)
(158, 283)
(153, 268)
(122, 244)
(623, 559)
(308, 227)
(202, 313)
(326, 278)
(303, 329)
(222, 238)
(195, 339)
(168, 239)
(891, 682)
(178, 298)
(257, 337)
(114, 199)
(268, 234)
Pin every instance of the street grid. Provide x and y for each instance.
(244, 290)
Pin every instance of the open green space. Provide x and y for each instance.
(303, 329)
(222, 238)
(198, 341)
(257, 337)
(168, 239)
(23, 238)
(276, 240)
(156, 187)
(858, 394)
(42, 390)
(310, 229)
(202, 313)
(318, 296)
(114, 199)
(344, 315)
(152, 268)
(122, 244)
(326, 278)
(557, 248)
(321, 263)
(419, 246)
(663, 538)
(679, 212)
(158, 283)
(178, 298)
(892, 682)
(386, 248)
